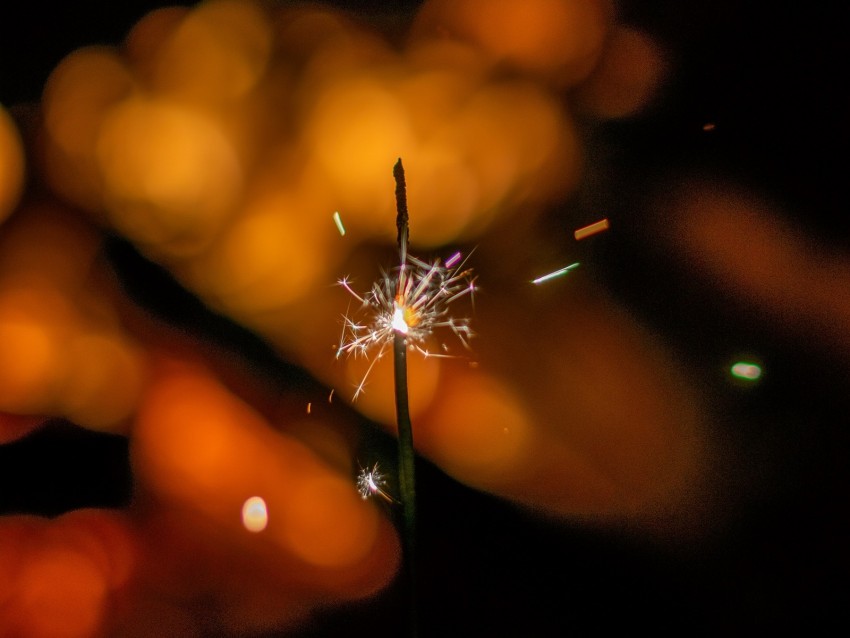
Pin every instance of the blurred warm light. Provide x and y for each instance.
(255, 515)
(61, 593)
(560, 39)
(55, 362)
(57, 575)
(629, 71)
(271, 255)
(48, 246)
(171, 177)
(517, 143)
(92, 393)
(61, 346)
(223, 135)
(202, 447)
(739, 242)
(11, 165)
(442, 213)
(561, 414)
(477, 432)
(148, 36)
(33, 328)
(326, 526)
(357, 130)
(216, 54)
(78, 94)
(377, 401)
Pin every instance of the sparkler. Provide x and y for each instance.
(412, 300)
(404, 309)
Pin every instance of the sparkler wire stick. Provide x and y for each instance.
(406, 457)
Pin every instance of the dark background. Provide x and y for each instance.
(770, 77)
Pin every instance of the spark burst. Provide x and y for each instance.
(413, 300)
(371, 483)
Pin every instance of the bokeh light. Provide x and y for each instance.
(255, 515)
(61, 344)
(559, 39)
(57, 575)
(223, 122)
(194, 439)
(79, 93)
(170, 175)
(11, 164)
(631, 69)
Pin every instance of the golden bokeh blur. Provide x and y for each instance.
(216, 54)
(170, 175)
(559, 39)
(11, 165)
(61, 344)
(61, 595)
(479, 431)
(630, 71)
(194, 439)
(214, 113)
(79, 93)
(57, 575)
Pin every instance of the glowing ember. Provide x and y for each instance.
(592, 229)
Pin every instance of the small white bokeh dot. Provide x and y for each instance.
(255, 517)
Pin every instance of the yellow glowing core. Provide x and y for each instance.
(399, 322)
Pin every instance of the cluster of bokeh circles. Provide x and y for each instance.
(220, 139)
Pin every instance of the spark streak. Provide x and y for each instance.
(557, 273)
(338, 222)
(451, 261)
(592, 229)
